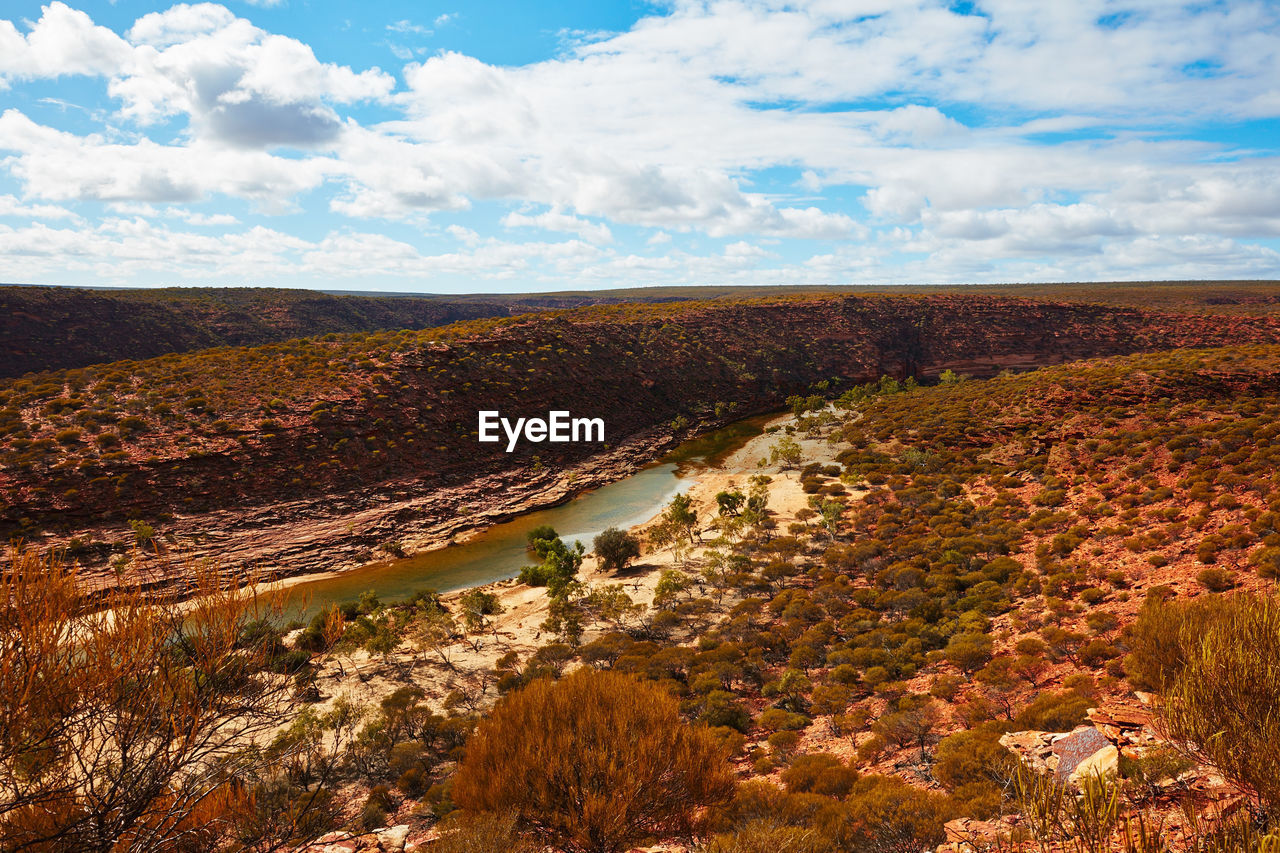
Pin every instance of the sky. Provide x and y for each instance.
(446, 147)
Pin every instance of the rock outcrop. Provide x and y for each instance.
(1069, 756)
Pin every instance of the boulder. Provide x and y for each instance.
(393, 838)
(1069, 756)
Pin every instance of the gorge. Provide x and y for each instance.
(317, 454)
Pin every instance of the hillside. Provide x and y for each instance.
(974, 559)
(43, 328)
(944, 580)
(167, 439)
(1218, 297)
(53, 328)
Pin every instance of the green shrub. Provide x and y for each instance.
(1216, 580)
(1222, 702)
(819, 773)
(1054, 711)
(777, 719)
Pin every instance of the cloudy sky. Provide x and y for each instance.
(482, 146)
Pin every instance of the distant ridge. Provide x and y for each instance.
(53, 328)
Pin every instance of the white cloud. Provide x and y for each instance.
(11, 206)
(63, 41)
(554, 220)
(463, 235)
(239, 85)
(56, 165)
(408, 27)
(747, 121)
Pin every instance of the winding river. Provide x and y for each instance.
(498, 552)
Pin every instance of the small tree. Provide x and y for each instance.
(671, 584)
(666, 534)
(616, 548)
(593, 763)
(786, 453)
(477, 605)
(436, 630)
(541, 533)
(680, 514)
(730, 503)
(559, 566)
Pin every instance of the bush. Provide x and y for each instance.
(1096, 652)
(1222, 702)
(1092, 595)
(1054, 711)
(67, 436)
(615, 548)
(541, 533)
(969, 652)
(1266, 559)
(1163, 637)
(373, 814)
(721, 709)
(413, 782)
(596, 761)
(143, 533)
(1216, 580)
(819, 773)
(784, 743)
(974, 756)
(766, 836)
(484, 832)
(164, 688)
(778, 719)
(891, 816)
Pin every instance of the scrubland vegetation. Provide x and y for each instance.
(973, 558)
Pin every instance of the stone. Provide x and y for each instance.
(1077, 747)
(1105, 762)
(393, 838)
(1069, 756)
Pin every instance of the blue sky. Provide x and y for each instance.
(444, 147)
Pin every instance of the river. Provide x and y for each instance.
(498, 552)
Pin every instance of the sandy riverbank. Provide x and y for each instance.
(364, 678)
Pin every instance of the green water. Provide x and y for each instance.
(499, 552)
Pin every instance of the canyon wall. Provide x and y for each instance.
(399, 426)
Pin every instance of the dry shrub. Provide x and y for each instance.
(468, 832)
(594, 762)
(1222, 705)
(765, 836)
(1163, 635)
(819, 773)
(886, 815)
(162, 695)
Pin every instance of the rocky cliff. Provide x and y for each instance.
(393, 417)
